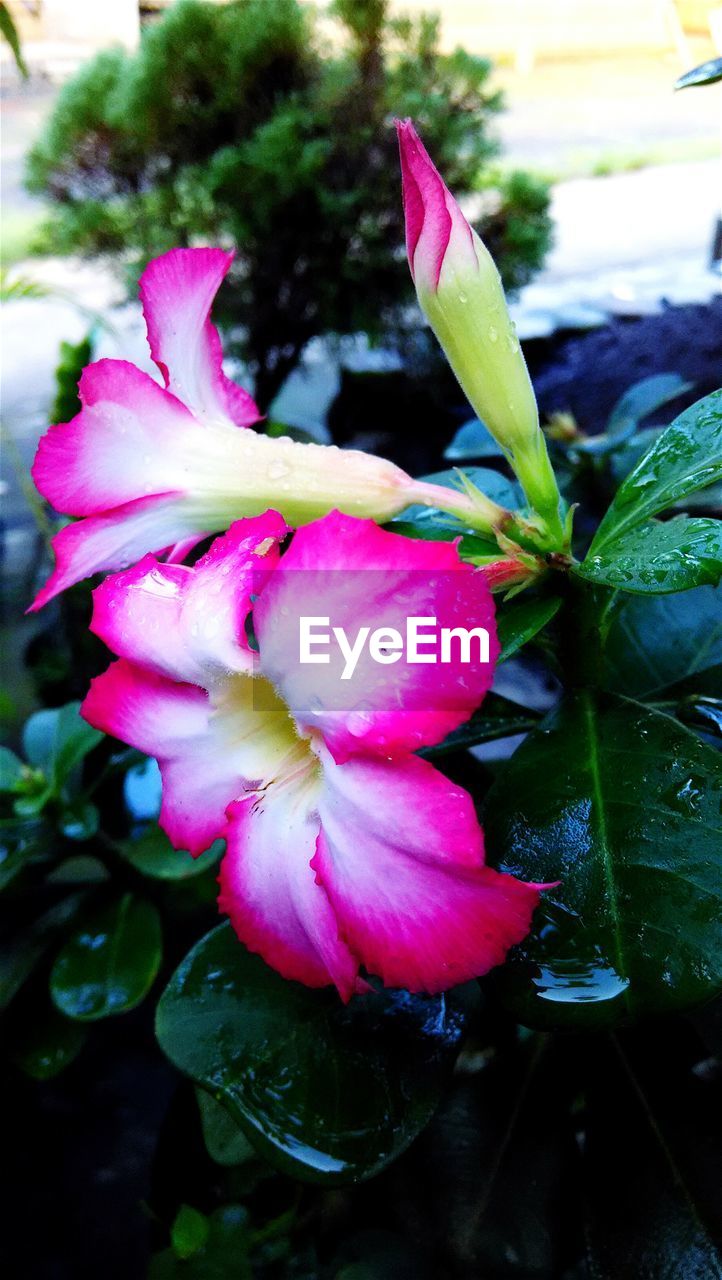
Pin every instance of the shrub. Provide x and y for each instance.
(234, 124)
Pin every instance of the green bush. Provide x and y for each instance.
(235, 124)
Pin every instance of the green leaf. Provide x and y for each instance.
(224, 1256)
(23, 951)
(473, 440)
(11, 769)
(154, 855)
(631, 452)
(684, 458)
(638, 402)
(516, 624)
(81, 821)
(644, 398)
(621, 805)
(659, 557)
(47, 1043)
(109, 965)
(706, 73)
(226, 1143)
(57, 740)
(653, 642)
(189, 1232)
(497, 717)
(496, 1164)
(651, 1166)
(9, 32)
(323, 1090)
(23, 843)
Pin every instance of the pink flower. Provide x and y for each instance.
(149, 468)
(344, 849)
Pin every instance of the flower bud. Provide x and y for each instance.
(461, 294)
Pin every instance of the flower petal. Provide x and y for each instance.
(171, 722)
(270, 892)
(189, 623)
(356, 575)
(115, 539)
(401, 857)
(176, 292)
(131, 439)
(434, 221)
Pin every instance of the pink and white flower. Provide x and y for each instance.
(345, 850)
(149, 467)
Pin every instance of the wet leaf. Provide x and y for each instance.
(654, 642)
(110, 963)
(659, 558)
(47, 1043)
(684, 458)
(517, 624)
(325, 1091)
(23, 951)
(620, 804)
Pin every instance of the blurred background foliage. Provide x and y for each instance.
(238, 124)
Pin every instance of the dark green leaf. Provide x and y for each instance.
(154, 855)
(82, 869)
(47, 1044)
(622, 806)
(11, 769)
(324, 1090)
(226, 1143)
(473, 440)
(516, 624)
(651, 1166)
(224, 1256)
(497, 717)
(81, 821)
(491, 1170)
(686, 457)
(656, 641)
(189, 1232)
(23, 843)
(659, 557)
(20, 953)
(108, 965)
(706, 73)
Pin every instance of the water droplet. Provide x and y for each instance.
(278, 469)
(492, 333)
